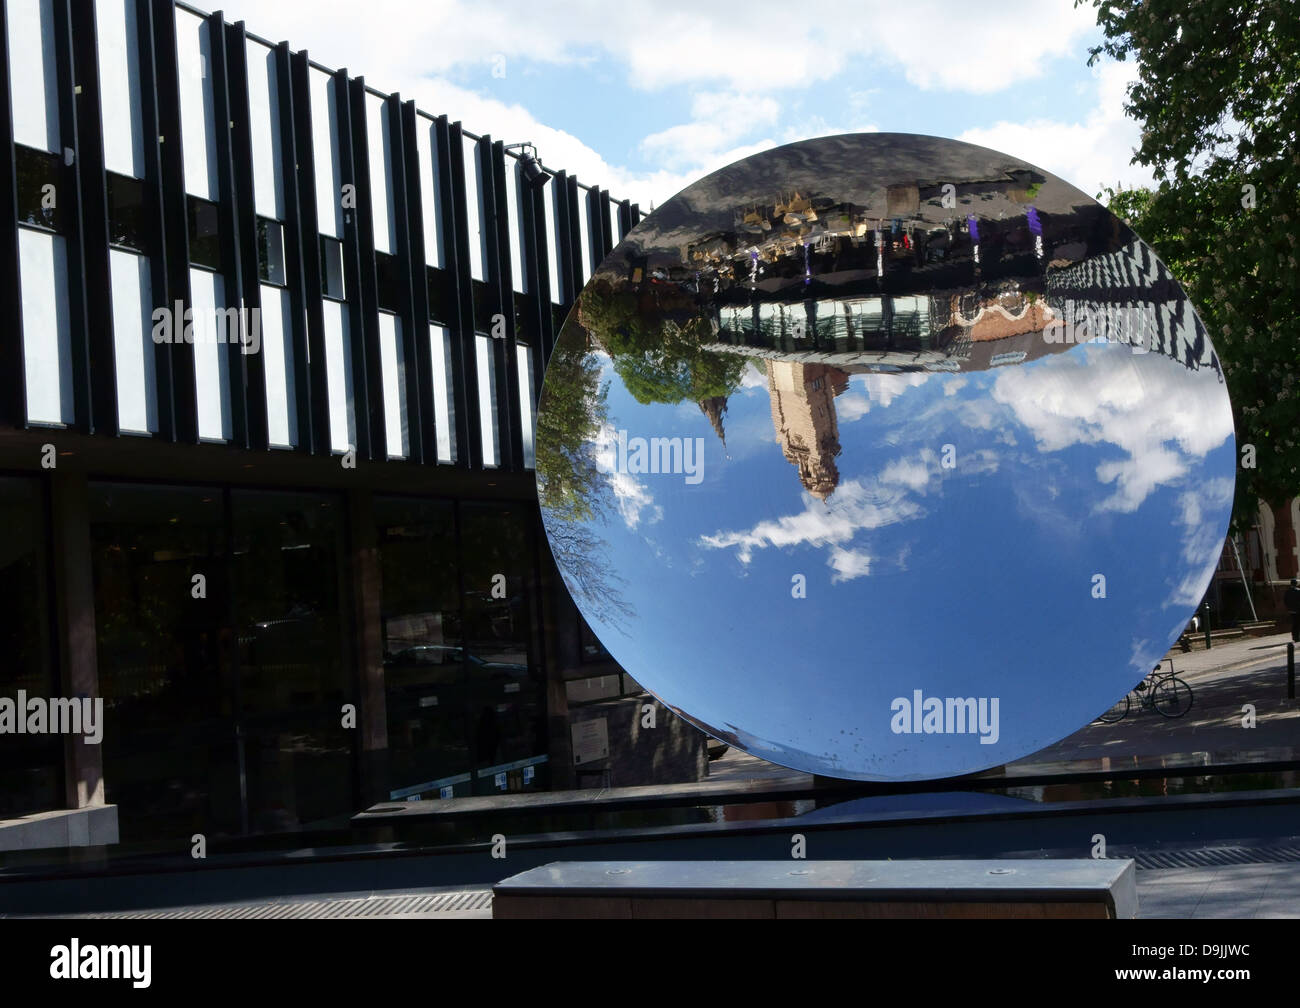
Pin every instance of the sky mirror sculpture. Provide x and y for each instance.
(885, 457)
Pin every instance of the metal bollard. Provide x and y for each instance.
(1207, 626)
(1290, 671)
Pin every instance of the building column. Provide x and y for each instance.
(75, 625)
(372, 705)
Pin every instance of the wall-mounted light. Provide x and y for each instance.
(535, 174)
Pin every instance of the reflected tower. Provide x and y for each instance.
(803, 417)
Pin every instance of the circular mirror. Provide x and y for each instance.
(885, 457)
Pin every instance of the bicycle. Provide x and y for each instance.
(1164, 692)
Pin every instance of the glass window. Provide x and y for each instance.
(127, 215)
(170, 756)
(527, 405)
(223, 658)
(270, 251)
(294, 653)
(474, 211)
(31, 766)
(440, 295)
(485, 308)
(424, 655)
(205, 233)
(444, 403)
(331, 268)
(387, 280)
(41, 192)
(507, 689)
(487, 400)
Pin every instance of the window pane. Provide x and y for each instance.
(440, 295)
(444, 404)
(487, 400)
(127, 220)
(40, 188)
(205, 234)
(388, 281)
(331, 268)
(170, 757)
(293, 648)
(424, 661)
(270, 251)
(527, 407)
(506, 685)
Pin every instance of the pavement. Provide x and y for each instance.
(1224, 680)
(1257, 877)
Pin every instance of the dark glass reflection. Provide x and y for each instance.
(128, 220)
(331, 268)
(205, 233)
(170, 759)
(465, 693)
(270, 251)
(30, 765)
(40, 178)
(885, 456)
(291, 601)
(223, 694)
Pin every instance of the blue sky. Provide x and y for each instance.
(643, 99)
(959, 582)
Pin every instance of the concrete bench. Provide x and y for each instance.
(856, 889)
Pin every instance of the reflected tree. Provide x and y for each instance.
(571, 489)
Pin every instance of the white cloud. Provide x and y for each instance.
(631, 496)
(719, 120)
(770, 48)
(1146, 407)
(1089, 154)
(424, 50)
(849, 564)
(1203, 542)
(856, 506)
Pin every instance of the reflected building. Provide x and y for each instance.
(803, 417)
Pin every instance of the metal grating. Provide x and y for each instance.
(1214, 857)
(405, 904)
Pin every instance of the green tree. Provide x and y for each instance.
(1218, 97)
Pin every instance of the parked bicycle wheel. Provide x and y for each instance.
(1171, 697)
(1118, 712)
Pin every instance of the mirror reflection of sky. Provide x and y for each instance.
(970, 581)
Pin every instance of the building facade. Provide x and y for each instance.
(272, 348)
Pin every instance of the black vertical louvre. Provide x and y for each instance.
(93, 222)
(229, 215)
(177, 357)
(600, 222)
(413, 291)
(464, 377)
(572, 237)
(532, 230)
(624, 219)
(13, 387)
(358, 280)
(239, 156)
(302, 252)
(501, 282)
